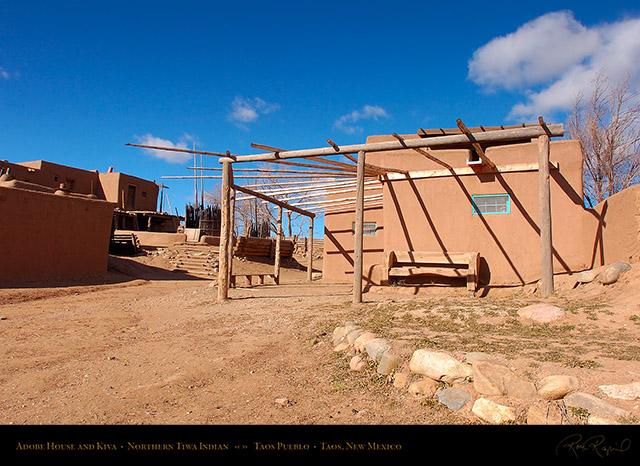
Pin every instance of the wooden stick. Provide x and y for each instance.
(232, 221)
(376, 168)
(277, 177)
(276, 266)
(265, 170)
(357, 248)
(475, 144)
(311, 165)
(313, 193)
(310, 251)
(335, 201)
(223, 256)
(546, 248)
(175, 149)
(423, 152)
(273, 201)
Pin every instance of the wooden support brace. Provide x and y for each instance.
(475, 144)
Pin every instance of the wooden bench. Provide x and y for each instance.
(402, 264)
(124, 244)
(249, 277)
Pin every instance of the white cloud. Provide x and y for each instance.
(4, 74)
(347, 123)
(167, 156)
(553, 58)
(245, 110)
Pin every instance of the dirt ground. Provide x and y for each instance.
(149, 346)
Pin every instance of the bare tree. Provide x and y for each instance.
(607, 125)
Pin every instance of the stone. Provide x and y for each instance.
(611, 272)
(475, 356)
(439, 366)
(425, 387)
(376, 347)
(338, 335)
(629, 391)
(361, 341)
(555, 387)
(594, 405)
(357, 363)
(388, 363)
(545, 414)
(352, 335)
(400, 379)
(540, 313)
(453, 398)
(492, 412)
(495, 379)
(588, 276)
(340, 347)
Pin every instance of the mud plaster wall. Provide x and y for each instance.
(155, 239)
(51, 237)
(52, 175)
(614, 232)
(113, 185)
(435, 214)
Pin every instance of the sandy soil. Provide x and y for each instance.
(151, 346)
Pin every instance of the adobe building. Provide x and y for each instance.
(58, 220)
(471, 210)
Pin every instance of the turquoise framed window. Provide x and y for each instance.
(491, 204)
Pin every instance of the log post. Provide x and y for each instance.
(546, 248)
(357, 249)
(310, 251)
(232, 217)
(223, 256)
(276, 266)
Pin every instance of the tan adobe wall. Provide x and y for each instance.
(52, 175)
(155, 239)
(435, 214)
(614, 230)
(52, 237)
(115, 185)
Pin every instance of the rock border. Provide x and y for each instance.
(482, 387)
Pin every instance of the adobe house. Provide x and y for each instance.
(59, 219)
(448, 209)
(135, 199)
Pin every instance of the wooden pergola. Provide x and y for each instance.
(354, 176)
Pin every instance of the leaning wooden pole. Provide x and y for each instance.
(223, 256)
(310, 251)
(276, 264)
(357, 249)
(546, 251)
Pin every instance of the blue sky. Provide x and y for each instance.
(80, 79)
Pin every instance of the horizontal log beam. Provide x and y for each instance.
(517, 134)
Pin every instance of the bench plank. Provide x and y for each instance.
(446, 264)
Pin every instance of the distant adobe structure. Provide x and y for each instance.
(57, 220)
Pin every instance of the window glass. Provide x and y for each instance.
(492, 204)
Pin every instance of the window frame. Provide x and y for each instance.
(476, 211)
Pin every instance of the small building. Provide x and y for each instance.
(447, 203)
